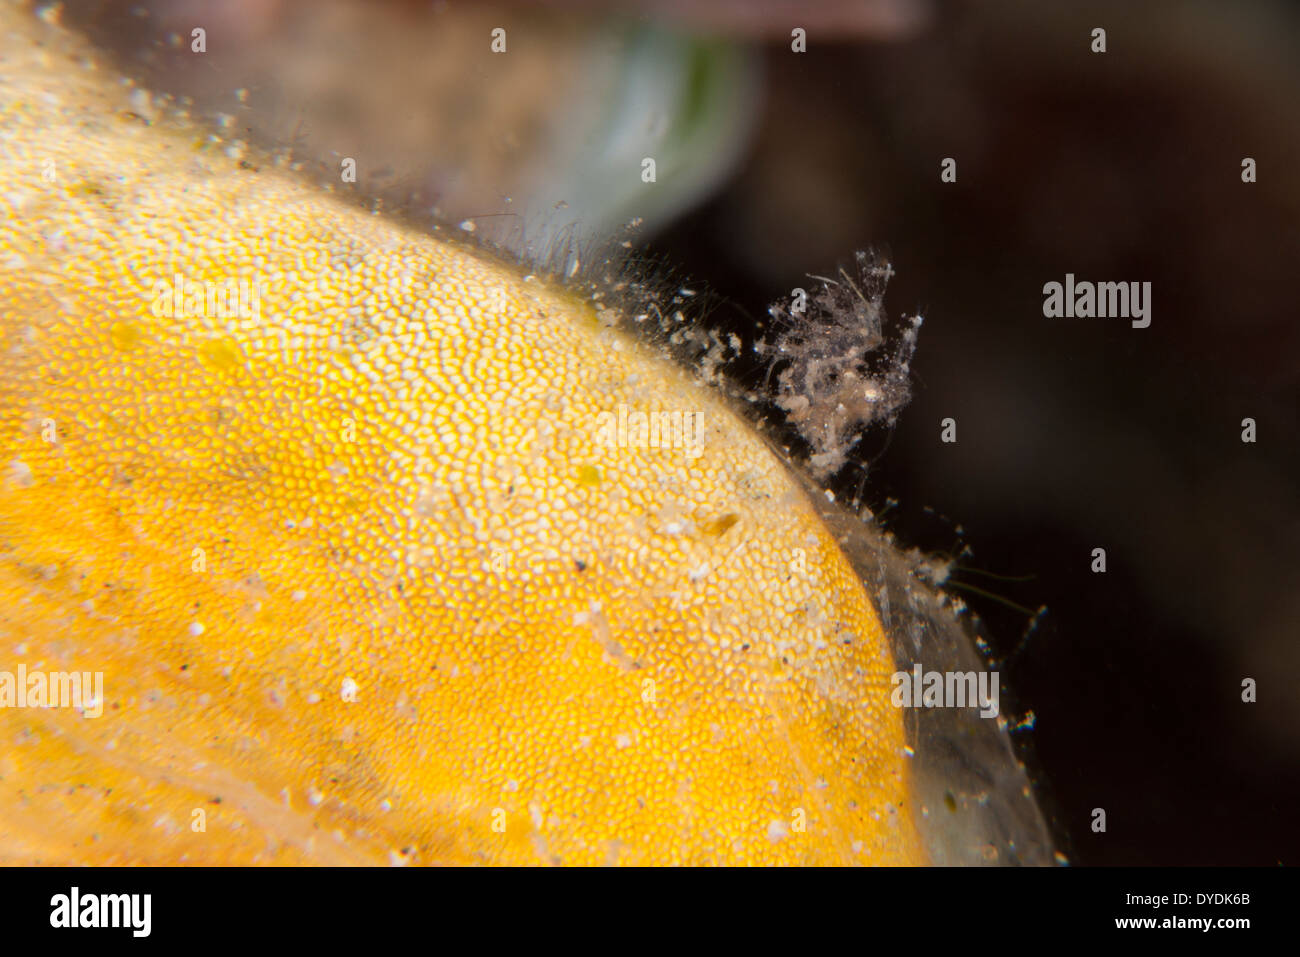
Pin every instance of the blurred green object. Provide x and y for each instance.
(688, 103)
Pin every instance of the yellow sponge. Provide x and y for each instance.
(387, 552)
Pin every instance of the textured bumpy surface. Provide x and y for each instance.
(363, 582)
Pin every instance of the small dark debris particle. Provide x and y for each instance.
(950, 802)
(580, 565)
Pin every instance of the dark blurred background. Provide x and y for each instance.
(1073, 434)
